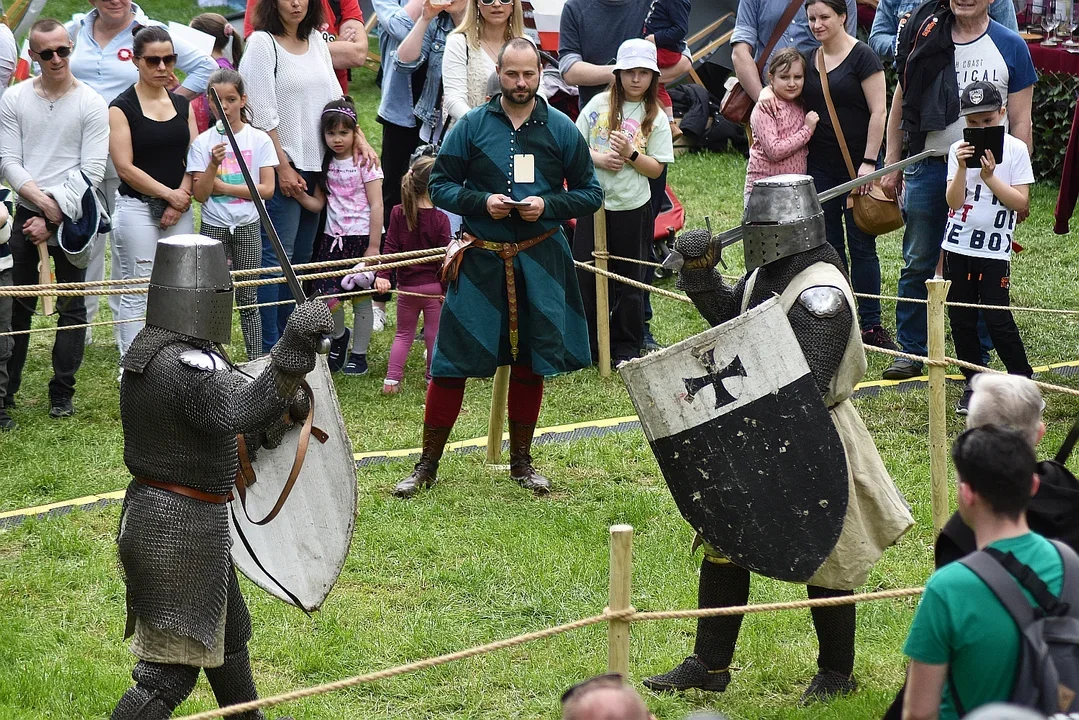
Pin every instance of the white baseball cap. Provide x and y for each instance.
(636, 53)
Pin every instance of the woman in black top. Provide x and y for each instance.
(150, 131)
(857, 88)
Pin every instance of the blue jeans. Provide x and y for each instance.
(864, 265)
(297, 228)
(926, 212)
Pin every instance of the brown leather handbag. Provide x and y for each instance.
(737, 106)
(875, 213)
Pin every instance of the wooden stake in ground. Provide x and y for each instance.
(499, 396)
(618, 598)
(603, 307)
(44, 277)
(938, 423)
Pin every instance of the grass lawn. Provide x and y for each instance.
(476, 558)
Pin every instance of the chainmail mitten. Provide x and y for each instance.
(294, 353)
(159, 689)
(699, 279)
(725, 585)
(835, 631)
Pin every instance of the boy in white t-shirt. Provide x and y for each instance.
(984, 202)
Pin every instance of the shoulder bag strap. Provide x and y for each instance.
(1069, 444)
(781, 27)
(1069, 590)
(822, 70)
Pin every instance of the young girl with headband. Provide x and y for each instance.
(352, 196)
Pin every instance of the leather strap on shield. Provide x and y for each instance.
(245, 475)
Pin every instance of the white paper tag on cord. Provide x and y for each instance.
(524, 168)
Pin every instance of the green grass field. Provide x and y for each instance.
(475, 559)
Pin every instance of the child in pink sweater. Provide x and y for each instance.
(781, 138)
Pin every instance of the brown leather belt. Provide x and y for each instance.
(185, 491)
(507, 251)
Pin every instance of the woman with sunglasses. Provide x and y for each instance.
(102, 59)
(150, 132)
(471, 52)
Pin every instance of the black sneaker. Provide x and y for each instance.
(826, 685)
(61, 408)
(357, 365)
(6, 423)
(650, 345)
(963, 406)
(902, 369)
(877, 336)
(692, 673)
(338, 350)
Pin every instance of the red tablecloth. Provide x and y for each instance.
(1054, 59)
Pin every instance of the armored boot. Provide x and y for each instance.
(426, 470)
(521, 470)
(158, 690)
(708, 668)
(233, 683)
(835, 639)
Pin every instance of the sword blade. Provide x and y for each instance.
(734, 235)
(260, 206)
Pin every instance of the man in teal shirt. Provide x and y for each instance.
(963, 643)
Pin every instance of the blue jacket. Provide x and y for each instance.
(396, 106)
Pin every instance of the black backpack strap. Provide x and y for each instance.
(1069, 443)
(1048, 603)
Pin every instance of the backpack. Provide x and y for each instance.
(1047, 674)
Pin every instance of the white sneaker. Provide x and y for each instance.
(378, 324)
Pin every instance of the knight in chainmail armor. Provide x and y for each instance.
(182, 404)
(787, 256)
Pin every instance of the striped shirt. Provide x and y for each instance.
(477, 160)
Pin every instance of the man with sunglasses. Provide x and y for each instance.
(50, 128)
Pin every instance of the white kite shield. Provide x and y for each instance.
(299, 555)
(745, 443)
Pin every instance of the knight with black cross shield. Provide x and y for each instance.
(774, 480)
(182, 406)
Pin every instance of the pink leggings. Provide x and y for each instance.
(408, 314)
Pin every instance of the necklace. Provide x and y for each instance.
(52, 101)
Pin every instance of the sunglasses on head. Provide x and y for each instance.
(61, 52)
(156, 60)
(492, 2)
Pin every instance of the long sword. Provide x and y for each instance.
(730, 237)
(287, 270)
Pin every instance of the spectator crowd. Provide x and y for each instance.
(104, 148)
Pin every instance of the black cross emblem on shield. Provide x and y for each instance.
(715, 378)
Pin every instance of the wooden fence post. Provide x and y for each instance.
(603, 307)
(499, 396)
(938, 423)
(618, 598)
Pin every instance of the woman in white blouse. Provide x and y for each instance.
(289, 77)
(472, 49)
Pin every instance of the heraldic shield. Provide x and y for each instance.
(745, 443)
(298, 555)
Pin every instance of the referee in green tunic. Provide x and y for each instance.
(514, 169)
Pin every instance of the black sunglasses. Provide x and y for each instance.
(492, 2)
(63, 51)
(156, 60)
(605, 680)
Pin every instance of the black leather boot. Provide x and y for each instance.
(426, 471)
(521, 470)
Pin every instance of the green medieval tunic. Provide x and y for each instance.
(477, 160)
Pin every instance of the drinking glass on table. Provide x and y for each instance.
(1073, 25)
(1049, 22)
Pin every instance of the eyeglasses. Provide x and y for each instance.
(492, 2)
(156, 60)
(46, 55)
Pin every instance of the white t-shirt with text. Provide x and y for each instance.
(984, 227)
(258, 152)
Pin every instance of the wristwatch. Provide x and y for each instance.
(633, 158)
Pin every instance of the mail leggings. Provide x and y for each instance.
(629, 234)
(134, 235)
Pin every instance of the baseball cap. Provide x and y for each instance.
(636, 53)
(980, 96)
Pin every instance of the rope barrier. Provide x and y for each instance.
(628, 615)
(633, 283)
